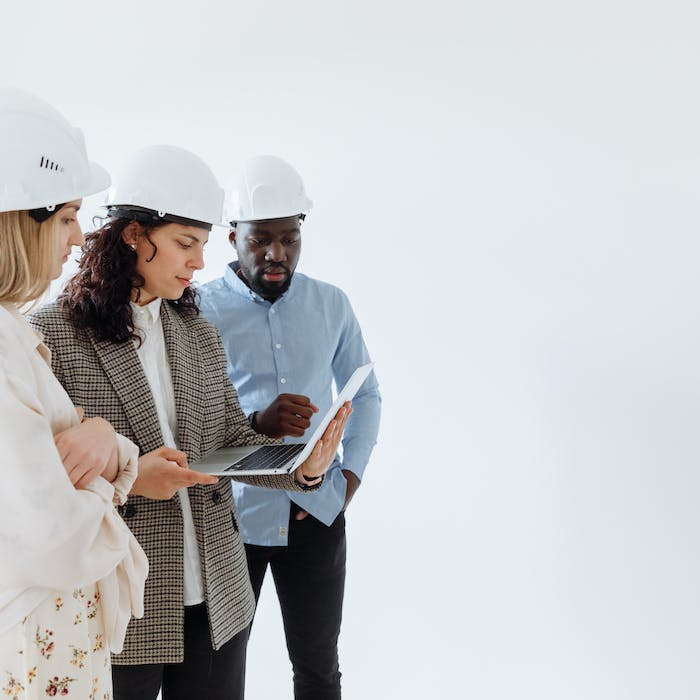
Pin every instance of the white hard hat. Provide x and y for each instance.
(171, 183)
(267, 188)
(43, 161)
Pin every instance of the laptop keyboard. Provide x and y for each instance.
(269, 457)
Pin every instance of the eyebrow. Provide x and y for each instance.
(267, 232)
(193, 238)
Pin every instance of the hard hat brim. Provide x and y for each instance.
(100, 180)
(97, 180)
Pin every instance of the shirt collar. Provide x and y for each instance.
(148, 314)
(240, 287)
(32, 339)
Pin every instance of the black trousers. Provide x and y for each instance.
(309, 576)
(204, 673)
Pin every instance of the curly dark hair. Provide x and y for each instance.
(98, 295)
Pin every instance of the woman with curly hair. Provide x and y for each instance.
(71, 572)
(128, 343)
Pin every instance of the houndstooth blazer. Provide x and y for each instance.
(107, 380)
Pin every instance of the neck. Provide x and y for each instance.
(141, 297)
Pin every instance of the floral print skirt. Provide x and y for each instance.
(58, 650)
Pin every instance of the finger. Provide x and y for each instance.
(176, 456)
(330, 429)
(295, 410)
(347, 410)
(76, 473)
(305, 403)
(298, 422)
(63, 445)
(80, 412)
(192, 478)
(89, 476)
(298, 399)
(317, 460)
(301, 515)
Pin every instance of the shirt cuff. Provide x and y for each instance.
(128, 458)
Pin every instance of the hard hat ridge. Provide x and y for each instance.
(267, 188)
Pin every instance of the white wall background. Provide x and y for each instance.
(508, 192)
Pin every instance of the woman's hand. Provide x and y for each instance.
(88, 450)
(164, 471)
(317, 463)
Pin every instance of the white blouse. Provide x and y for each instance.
(156, 367)
(53, 536)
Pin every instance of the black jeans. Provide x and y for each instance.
(204, 673)
(309, 576)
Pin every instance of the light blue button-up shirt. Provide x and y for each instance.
(300, 344)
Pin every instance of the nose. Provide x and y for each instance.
(197, 259)
(76, 235)
(275, 252)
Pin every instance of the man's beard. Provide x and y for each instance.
(269, 290)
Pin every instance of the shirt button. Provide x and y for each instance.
(272, 311)
(283, 380)
(283, 531)
(278, 345)
(216, 498)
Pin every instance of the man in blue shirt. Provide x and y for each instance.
(288, 338)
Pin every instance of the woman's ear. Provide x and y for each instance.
(131, 233)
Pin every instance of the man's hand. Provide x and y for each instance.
(88, 450)
(288, 414)
(164, 471)
(353, 485)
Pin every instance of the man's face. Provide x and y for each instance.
(268, 252)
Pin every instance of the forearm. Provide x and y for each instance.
(286, 482)
(353, 483)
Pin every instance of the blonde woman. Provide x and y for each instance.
(71, 573)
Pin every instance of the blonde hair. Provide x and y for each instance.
(27, 256)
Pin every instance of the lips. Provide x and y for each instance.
(184, 281)
(275, 273)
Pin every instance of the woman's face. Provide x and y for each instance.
(167, 272)
(68, 234)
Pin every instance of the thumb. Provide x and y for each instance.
(80, 412)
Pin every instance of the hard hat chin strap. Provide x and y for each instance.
(43, 213)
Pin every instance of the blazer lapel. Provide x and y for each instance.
(185, 368)
(125, 373)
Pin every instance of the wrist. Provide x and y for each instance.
(307, 482)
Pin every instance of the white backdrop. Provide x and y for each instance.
(508, 193)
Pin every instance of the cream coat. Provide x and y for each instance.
(53, 536)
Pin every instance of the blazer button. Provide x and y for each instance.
(129, 510)
(216, 497)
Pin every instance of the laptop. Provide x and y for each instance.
(250, 460)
